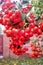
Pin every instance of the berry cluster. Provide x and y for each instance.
(26, 9)
(19, 37)
(20, 30)
(7, 5)
(36, 51)
(12, 19)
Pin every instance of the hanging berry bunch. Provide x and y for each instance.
(20, 27)
(36, 47)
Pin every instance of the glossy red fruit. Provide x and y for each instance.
(31, 21)
(32, 16)
(29, 6)
(1, 20)
(25, 49)
(11, 18)
(22, 32)
(40, 25)
(40, 53)
(39, 32)
(32, 55)
(32, 25)
(36, 53)
(21, 24)
(6, 11)
(25, 10)
(35, 29)
(7, 27)
(6, 16)
(31, 34)
(27, 30)
(27, 36)
(10, 13)
(8, 33)
(0, 13)
(4, 6)
(33, 48)
(32, 44)
(32, 30)
(38, 56)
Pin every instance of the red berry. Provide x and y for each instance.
(1, 20)
(31, 54)
(31, 21)
(33, 48)
(10, 13)
(39, 32)
(36, 53)
(29, 6)
(6, 11)
(35, 29)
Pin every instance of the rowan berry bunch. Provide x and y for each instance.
(20, 29)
